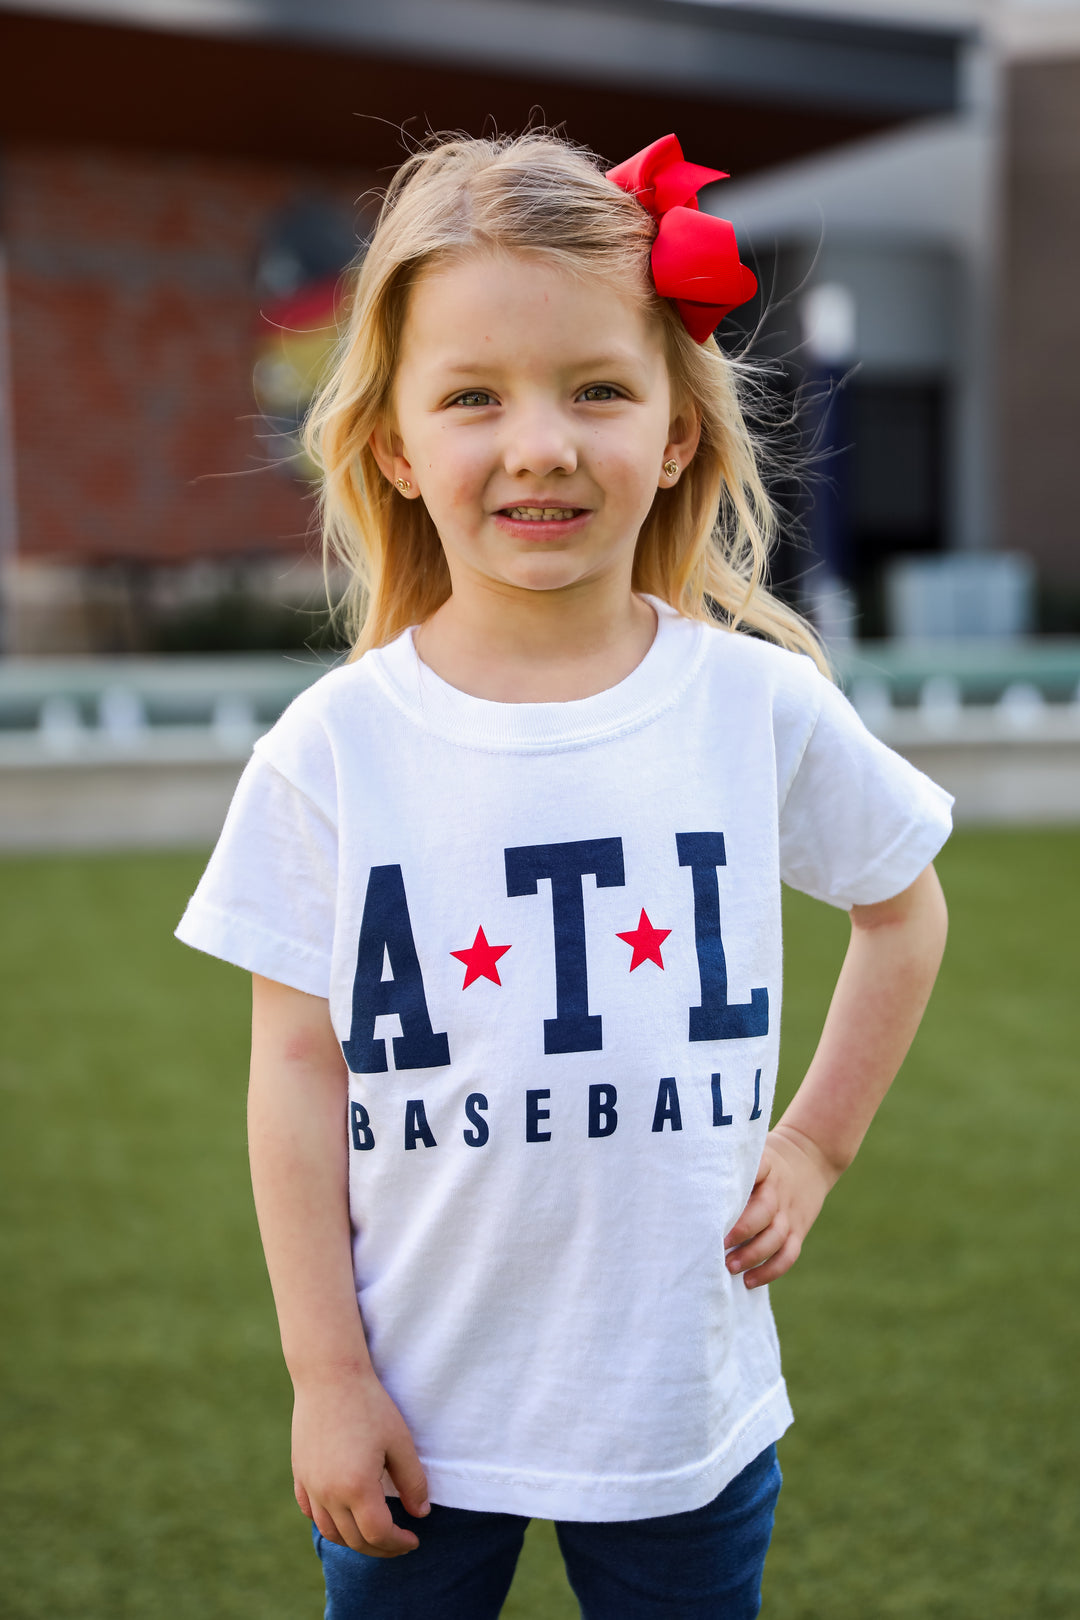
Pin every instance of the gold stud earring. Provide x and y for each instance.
(403, 484)
(671, 468)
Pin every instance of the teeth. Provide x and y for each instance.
(537, 514)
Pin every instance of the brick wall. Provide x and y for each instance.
(133, 311)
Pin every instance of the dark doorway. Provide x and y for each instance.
(896, 481)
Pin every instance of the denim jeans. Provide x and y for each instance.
(702, 1565)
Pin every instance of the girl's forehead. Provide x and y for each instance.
(492, 298)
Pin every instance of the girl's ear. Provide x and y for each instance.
(389, 453)
(683, 437)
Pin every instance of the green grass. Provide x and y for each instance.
(930, 1330)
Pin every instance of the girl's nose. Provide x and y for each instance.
(539, 443)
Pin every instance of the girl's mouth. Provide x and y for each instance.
(536, 525)
(541, 514)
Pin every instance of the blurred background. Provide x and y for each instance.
(181, 185)
(183, 182)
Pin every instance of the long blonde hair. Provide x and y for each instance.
(705, 543)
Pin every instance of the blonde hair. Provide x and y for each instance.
(705, 543)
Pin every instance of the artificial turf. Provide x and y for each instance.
(930, 1330)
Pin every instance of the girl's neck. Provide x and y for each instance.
(547, 648)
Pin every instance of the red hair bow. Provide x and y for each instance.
(695, 258)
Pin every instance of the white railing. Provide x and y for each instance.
(1020, 713)
(149, 753)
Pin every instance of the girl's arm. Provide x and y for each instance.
(889, 970)
(346, 1429)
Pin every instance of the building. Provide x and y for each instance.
(956, 238)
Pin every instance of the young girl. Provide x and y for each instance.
(509, 884)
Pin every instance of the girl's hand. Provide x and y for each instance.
(346, 1433)
(793, 1180)
(889, 970)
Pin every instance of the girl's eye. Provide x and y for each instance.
(598, 393)
(473, 397)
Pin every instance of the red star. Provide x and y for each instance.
(480, 960)
(646, 941)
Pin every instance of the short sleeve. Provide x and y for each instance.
(858, 823)
(266, 901)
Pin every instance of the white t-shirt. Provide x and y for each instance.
(550, 938)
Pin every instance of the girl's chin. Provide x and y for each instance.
(540, 575)
(541, 581)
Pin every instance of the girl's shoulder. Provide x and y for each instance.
(376, 672)
(790, 680)
(337, 710)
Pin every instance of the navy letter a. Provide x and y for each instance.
(385, 928)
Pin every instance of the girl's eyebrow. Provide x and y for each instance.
(612, 360)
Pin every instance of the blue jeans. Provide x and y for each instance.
(703, 1565)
